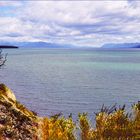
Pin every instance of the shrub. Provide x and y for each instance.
(111, 124)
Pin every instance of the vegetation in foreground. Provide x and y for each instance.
(18, 123)
(111, 124)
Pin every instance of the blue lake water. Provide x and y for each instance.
(50, 81)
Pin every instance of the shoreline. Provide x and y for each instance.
(17, 122)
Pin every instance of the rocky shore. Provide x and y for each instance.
(16, 121)
(19, 123)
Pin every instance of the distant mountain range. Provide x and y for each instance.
(42, 44)
(121, 45)
(36, 44)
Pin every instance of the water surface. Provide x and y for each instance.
(50, 81)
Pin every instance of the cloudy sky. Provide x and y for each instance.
(82, 23)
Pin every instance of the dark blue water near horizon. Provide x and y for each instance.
(50, 81)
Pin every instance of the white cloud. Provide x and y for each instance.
(91, 23)
(10, 3)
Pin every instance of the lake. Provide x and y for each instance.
(50, 81)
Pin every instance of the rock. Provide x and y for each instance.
(16, 121)
(5, 91)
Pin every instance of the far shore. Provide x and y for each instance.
(8, 47)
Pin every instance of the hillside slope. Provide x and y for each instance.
(16, 121)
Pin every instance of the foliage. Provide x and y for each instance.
(58, 128)
(111, 124)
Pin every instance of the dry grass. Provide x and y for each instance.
(111, 124)
(58, 128)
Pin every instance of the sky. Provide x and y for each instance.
(79, 23)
